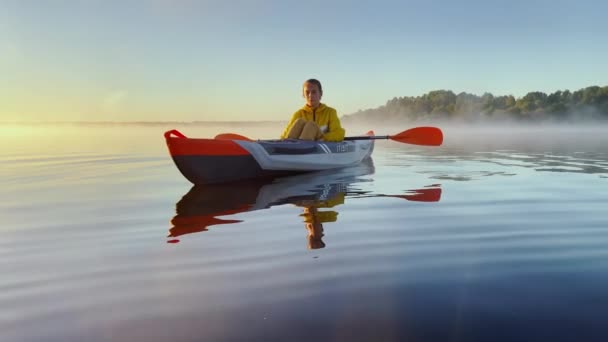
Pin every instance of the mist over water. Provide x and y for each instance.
(473, 135)
(499, 234)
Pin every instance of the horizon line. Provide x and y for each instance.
(93, 122)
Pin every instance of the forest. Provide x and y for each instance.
(590, 103)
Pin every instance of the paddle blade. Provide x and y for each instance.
(428, 136)
(424, 195)
(195, 224)
(231, 136)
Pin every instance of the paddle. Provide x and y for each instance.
(421, 195)
(428, 136)
(418, 195)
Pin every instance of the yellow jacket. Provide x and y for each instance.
(311, 210)
(320, 216)
(325, 117)
(334, 200)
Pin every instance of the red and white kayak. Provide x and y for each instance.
(228, 158)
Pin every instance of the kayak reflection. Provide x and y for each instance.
(316, 193)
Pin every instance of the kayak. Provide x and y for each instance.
(229, 159)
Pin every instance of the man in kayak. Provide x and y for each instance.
(314, 121)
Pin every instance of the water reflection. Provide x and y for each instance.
(461, 164)
(318, 194)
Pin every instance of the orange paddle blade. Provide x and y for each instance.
(423, 195)
(231, 136)
(195, 224)
(418, 195)
(429, 136)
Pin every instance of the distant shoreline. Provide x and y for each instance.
(585, 105)
(139, 123)
(347, 124)
(590, 103)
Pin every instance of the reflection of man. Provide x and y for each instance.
(314, 219)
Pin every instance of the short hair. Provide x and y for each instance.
(315, 82)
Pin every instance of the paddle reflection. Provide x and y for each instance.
(318, 194)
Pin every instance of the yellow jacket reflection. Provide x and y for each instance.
(314, 219)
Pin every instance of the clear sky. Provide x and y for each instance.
(165, 60)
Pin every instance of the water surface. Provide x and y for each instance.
(492, 236)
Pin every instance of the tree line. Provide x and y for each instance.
(586, 103)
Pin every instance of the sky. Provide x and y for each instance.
(222, 60)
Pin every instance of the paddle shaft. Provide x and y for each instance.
(368, 137)
(426, 136)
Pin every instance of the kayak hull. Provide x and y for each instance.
(201, 169)
(209, 161)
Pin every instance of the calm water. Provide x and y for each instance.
(497, 235)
